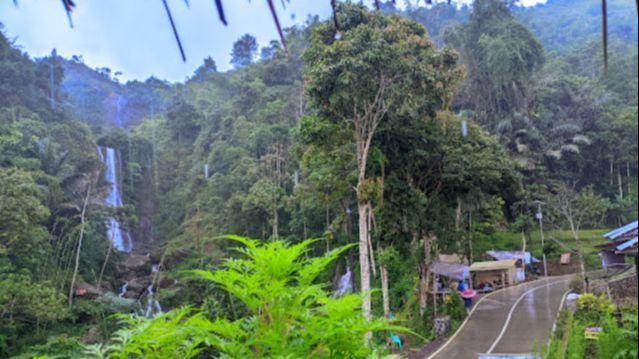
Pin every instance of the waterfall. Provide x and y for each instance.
(345, 284)
(119, 105)
(151, 303)
(119, 237)
(124, 289)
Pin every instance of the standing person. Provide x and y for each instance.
(461, 286)
(467, 295)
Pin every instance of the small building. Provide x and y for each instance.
(526, 259)
(450, 266)
(622, 242)
(498, 274)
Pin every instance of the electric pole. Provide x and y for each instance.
(540, 217)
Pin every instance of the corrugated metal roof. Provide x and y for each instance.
(493, 265)
(621, 230)
(526, 257)
(627, 244)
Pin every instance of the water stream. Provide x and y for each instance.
(151, 303)
(345, 283)
(123, 290)
(120, 237)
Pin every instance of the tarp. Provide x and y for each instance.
(525, 257)
(451, 270)
(493, 265)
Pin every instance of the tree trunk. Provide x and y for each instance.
(620, 182)
(385, 298)
(458, 213)
(77, 253)
(628, 178)
(425, 275)
(575, 234)
(106, 260)
(364, 266)
(371, 252)
(612, 171)
(275, 222)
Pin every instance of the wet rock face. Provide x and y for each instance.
(137, 286)
(134, 270)
(135, 265)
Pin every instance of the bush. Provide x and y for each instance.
(289, 315)
(454, 307)
(576, 346)
(619, 342)
(576, 285)
(592, 310)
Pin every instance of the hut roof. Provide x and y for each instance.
(629, 229)
(451, 270)
(525, 257)
(493, 265)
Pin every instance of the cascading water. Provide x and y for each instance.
(152, 304)
(345, 283)
(124, 289)
(119, 237)
(119, 105)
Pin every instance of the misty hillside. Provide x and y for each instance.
(564, 26)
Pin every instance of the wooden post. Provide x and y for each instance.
(435, 295)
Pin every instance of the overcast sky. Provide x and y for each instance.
(135, 37)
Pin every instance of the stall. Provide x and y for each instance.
(621, 242)
(497, 274)
(525, 257)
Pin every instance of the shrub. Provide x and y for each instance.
(618, 342)
(454, 307)
(289, 315)
(576, 346)
(592, 310)
(576, 285)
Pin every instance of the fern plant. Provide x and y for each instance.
(291, 315)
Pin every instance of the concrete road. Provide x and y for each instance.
(513, 320)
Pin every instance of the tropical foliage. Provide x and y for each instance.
(413, 132)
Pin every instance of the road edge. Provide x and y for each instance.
(463, 324)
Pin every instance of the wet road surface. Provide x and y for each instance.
(513, 320)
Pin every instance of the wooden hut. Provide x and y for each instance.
(498, 274)
(622, 242)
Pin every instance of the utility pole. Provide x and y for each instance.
(540, 217)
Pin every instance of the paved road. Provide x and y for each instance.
(514, 320)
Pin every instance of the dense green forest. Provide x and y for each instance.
(405, 134)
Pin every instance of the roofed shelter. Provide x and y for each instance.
(622, 242)
(501, 273)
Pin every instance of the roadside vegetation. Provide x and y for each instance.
(618, 325)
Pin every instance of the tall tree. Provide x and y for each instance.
(244, 51)
(375, 68)
(501, 57)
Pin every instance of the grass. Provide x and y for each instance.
(510, 241)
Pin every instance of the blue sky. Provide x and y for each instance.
(135, 37)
